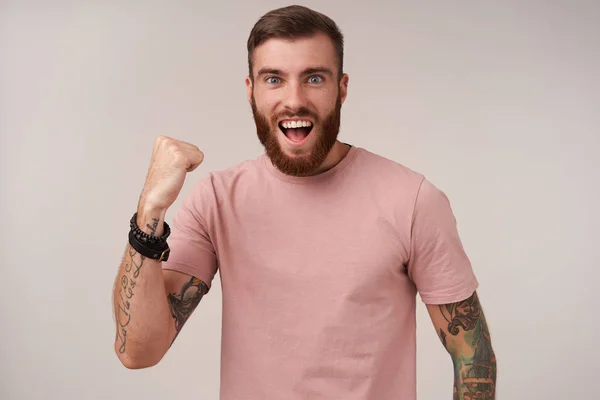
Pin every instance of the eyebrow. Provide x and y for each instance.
(268, 71)
(318, 70)
(308, 71)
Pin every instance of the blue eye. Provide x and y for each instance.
(315, 79)
(273, 80)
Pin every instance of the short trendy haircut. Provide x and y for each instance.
(295, 22)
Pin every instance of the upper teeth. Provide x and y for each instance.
(296, 124)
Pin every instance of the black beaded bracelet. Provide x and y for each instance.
(154, 247)
(143, 236)
(160, 253)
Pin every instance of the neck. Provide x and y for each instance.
(336, 154)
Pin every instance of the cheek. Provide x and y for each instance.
(325, 103)
(265, 99)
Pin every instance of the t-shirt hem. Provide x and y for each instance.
(189, 270)
(452, 298)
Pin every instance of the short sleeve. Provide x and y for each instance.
(192, 251)
(438, 264)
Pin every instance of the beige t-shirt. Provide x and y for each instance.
(320, 274)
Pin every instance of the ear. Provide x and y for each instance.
(344, 87)
(249, 87)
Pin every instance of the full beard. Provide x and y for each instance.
(326, 133)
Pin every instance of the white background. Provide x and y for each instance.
(498, 103)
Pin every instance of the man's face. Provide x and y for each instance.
(296, 99)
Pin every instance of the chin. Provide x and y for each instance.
(296, 155)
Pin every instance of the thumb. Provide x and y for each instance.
(196, 158)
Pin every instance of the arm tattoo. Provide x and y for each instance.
(474, 370)
(126, 291)
(153, 227)
(184, 303)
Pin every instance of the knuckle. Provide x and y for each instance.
(172, 146)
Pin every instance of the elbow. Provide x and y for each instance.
(138, 360)
(130, 363)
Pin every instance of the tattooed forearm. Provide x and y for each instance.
(153, 227)
(473, 356)
(127, 283)
(184, 303)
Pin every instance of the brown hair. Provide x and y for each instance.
(295, 22)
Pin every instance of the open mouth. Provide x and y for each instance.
(296, 131)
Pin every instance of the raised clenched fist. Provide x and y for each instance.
(171, 161)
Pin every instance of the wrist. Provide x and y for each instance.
(150, 240)
(150, 219)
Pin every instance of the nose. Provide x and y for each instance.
(294, 97)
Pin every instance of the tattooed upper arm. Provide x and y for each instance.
(464, 332)
(184, 293)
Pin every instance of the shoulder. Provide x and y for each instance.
(403, 185)
(390, 173)
(246, 169)
(217, 184)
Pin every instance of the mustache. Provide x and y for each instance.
(300, 112)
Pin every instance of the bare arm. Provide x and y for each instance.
(151, 305)
(186, 293)
(141, 311)
(463, 330)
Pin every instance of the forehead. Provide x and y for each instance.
(295, 55)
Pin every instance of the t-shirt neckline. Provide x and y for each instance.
(339, 167)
